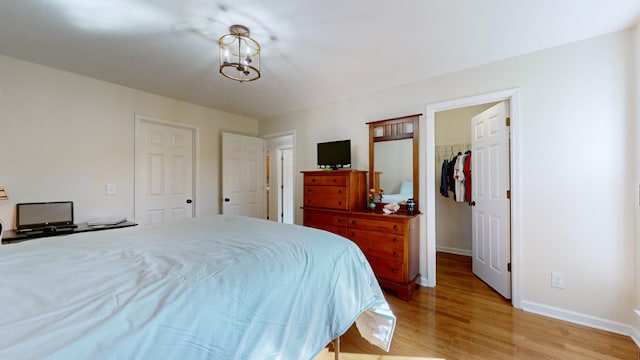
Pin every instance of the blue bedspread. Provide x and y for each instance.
(219, 287)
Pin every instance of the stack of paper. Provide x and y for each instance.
(107, 221)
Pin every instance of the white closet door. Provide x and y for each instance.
(491, 243)
(163, 172)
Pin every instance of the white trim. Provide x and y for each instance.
(635, 336)
(428, 227)
(580, 319)
(455, 251)
(195, 131)
(635, 333)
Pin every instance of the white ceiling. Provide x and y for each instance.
(313, 51)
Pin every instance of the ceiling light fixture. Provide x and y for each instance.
(239, 55)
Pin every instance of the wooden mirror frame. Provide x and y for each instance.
(405, 127)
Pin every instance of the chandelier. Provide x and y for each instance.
(239, 55)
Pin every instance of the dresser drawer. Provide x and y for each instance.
(387, 270)
(376, 239)
(322, 218)
(395, 227)
(338, 230)
(325, 180)
(331, 197)
(377, 249)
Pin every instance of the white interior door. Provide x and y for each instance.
(287, 186)
(243, 176)
(491, 243)
(164, 156)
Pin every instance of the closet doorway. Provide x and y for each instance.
(280, 177)
(449, 136)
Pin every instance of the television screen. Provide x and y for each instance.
(36, 215)
(334, 154)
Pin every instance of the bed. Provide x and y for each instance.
(219, 287)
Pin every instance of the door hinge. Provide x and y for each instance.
(509, 194)
(509, 267)
(508, 121)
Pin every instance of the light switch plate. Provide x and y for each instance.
(557, 280)
(111, 189)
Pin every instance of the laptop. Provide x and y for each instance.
(44, 216)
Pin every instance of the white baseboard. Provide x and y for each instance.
(451, 250)
(423, 281)
(581, 319)
(635, 332)
(635, 336)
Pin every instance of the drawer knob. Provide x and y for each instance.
(394, 270)
(353, 222)
(395, 227)
(395, 240)
(395, 254)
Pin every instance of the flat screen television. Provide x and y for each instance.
(334, 154)
(41, 215)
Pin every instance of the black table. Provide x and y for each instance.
(11, 236)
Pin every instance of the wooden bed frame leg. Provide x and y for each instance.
(336, 348)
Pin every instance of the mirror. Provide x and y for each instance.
(393, 159)
(394, 169)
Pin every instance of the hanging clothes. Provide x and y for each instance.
(458, 175)
(444, 185)
(451, 181)
(467, 177)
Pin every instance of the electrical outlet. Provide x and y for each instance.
(111, 189)
(557, 280)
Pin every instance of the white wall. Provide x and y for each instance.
(576, 142)
(64, 136)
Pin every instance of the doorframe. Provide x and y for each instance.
(195, 166)
(292, 134)
(281, 174)
(427, 170)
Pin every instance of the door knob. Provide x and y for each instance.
(226, 200)
(189, 201)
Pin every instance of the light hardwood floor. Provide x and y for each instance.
(462, 318)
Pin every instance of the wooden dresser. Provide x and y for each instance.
(335, 189)
(336, 201)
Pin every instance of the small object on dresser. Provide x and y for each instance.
(411, 206)
(391, 208)
(114, 220)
